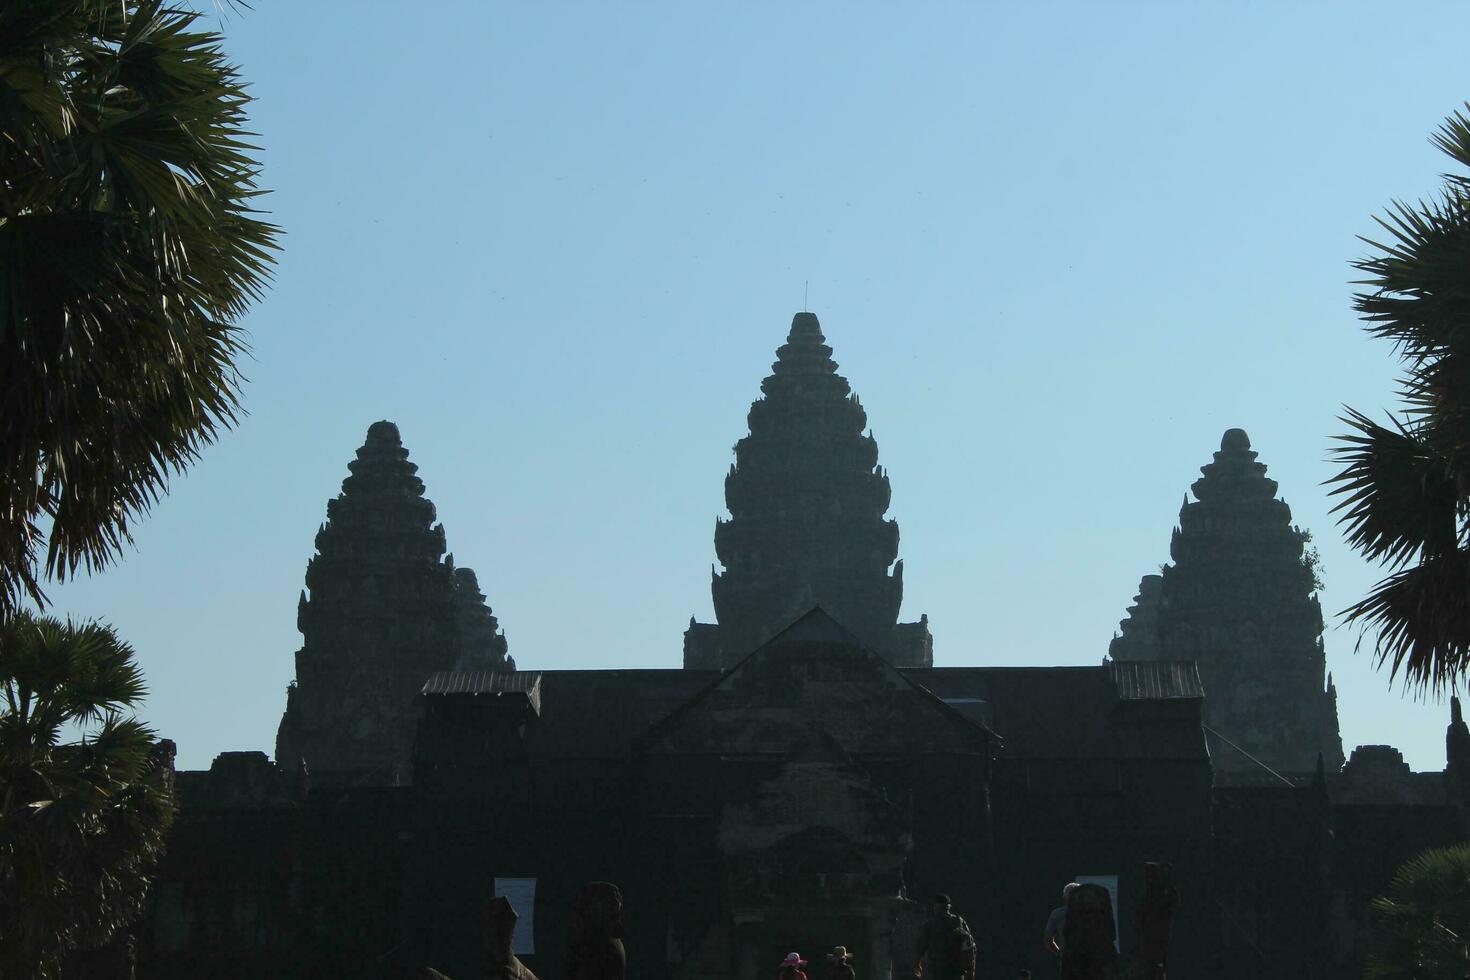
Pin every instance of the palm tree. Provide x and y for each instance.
(1421, 928)
(129, 249)
(1406, 483)
(82, 822)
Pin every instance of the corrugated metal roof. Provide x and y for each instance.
(527, 682)
(1156, 680)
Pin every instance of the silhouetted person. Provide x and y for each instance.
(839, 964)
(791, 968)
(1155, 919)
(1088, 952)
(1054, 935)
(597, 934)
(946, 947)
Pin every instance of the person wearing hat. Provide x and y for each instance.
(946, 947)
(791, 968)
(840, 964)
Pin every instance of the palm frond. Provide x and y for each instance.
(1405, 486)
(131, 243)
(1421, 622)
(1420, 927)
(1400, 498)
(83, 822)
(1453, 139)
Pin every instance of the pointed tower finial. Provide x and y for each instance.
(384, 433)
(806, 331)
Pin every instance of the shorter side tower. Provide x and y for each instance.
(478, 640)
(1138, 636)
(386, 610)
(1240, 600)
(806, 498)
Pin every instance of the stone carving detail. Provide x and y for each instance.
(386, 609)
(817, 849)
(1240, 601)
(806, 498)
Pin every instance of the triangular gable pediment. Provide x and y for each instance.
(815, 676)
(814, 626)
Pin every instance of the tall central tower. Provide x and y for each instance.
(807, 500)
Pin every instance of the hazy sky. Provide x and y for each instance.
(1058, 249)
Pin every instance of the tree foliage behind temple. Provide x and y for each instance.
(83, 822)
(129, 249)
(1421, 927)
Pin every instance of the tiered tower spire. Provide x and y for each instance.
(478, 638)
(806, 498)
(1240, 601)
(385, 611)
(1138, 637)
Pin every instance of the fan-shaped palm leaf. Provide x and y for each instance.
(129, 248)
(81, 823)
(1421, 927)
(1405, 486)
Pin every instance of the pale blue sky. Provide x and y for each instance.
(1058, 249)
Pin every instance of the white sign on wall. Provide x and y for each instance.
(1110, 882)
(521, 893)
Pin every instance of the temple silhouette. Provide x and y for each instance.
(808, 776)
(1240, 602)
(806, 498)
(387, 609)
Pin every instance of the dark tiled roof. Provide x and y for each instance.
(1257, 777)
(1418, 789)
(815, 675)
(527, 682)
(1039, 712)
(1156, 680)
(600, 712)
